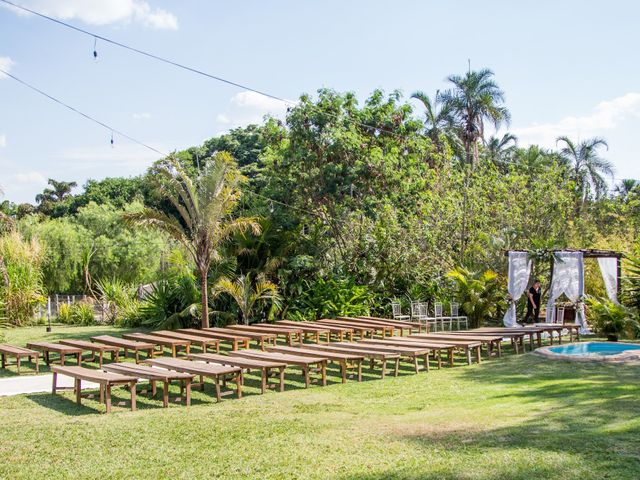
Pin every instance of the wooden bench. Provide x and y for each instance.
(360, 330)
(202, 341)
(290, 334)
(304, 331)
(450, 346)
(94, 348)
(105, 380)
(342, 359)
(154, 375)
(248, 364)
(261, 338)
(338, 332)
(126, 345)
(412, 352)
(400, 323)
(235, 339)
(492, 342)
(171, 343)
(378, 328)
(305, 363)
(401, 327)
(371, 353)
(62, 350)
(515, 336)
(204, 370)
(7, 350)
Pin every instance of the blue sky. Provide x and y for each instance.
(567, 67)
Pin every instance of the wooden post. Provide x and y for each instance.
(618, 276)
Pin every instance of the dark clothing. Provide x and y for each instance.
(532, 311)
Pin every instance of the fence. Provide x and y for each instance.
(52, 306)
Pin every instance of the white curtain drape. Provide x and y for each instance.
(519, 271)
(568, 278)
(609, 270)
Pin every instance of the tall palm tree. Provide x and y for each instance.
(475, 99)
(625, 187)
(202, 219)
(586, 167)
(500, 150)
(533, 159)
(246, 294)
(438, 120)
(59, 192)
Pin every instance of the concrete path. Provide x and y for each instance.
(36, 383)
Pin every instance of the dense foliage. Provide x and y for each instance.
(350, 204)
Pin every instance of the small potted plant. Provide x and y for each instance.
(610, 319)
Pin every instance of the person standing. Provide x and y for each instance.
(533, 302)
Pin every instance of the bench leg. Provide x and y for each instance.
(100, 358)
(305, 371)
(62, 355)
(188, 392)
(396, 367)
(132, 387)
(18, 364)
(384, 367)
(101, 393)
(79, 358)
(37, 357)
(107, 396)
(426, 362)
(217, 382)
(478, 354)
(165, 394)
(55, 383)
(78, 389)
(4, 361)
(359, 370)
(415, 363)
(343, 370)
(282, 379)
(468, 352)
(323, 365)
(450, 357)
(239, 385)
(201, 383)
(47, 360)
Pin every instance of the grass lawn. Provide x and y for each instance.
(519, 417)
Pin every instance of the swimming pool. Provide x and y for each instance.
(593, 351)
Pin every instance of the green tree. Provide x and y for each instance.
(203, 220)
(438, 121)
(586, 168)
(474, 100)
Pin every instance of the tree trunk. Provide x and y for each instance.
(205, 297)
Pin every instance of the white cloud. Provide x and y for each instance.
(128, 159)
(249, 107)
(31, 178)
(103, 12)
(5, 64)
(3, 140)
(605, 117)
(141, 116)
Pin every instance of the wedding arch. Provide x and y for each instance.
(567, 277)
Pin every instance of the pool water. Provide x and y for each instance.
(594, 348)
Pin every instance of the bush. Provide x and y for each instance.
(21, 290)
(79, 313)
(174, 302)
(609, 318)
(331, 298)
(479, 293)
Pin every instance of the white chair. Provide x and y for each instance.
(455, 315)
(438, 312)
(396, 309)
(560, 314)
(432, 324)
(416, 314)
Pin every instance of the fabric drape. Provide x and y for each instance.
(519, 271)
(568, 278)
(609, 271)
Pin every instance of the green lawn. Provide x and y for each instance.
(520, 417)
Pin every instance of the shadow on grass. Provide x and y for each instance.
(585, 425)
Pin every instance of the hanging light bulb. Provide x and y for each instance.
(111, 139)
(95, 51)
(271, 209)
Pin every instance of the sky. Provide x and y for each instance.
(567, 68)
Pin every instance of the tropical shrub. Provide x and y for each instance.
(114, 296)
(479, 293)
(332, 297)
(173, 302)
(610, 318)
(248, 293)
(21, 290)
(79, 313)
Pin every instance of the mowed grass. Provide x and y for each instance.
(519, 417)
